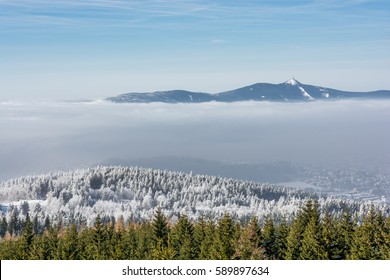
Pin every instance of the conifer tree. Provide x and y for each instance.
(385, 248)
(208, 247)
(161, 252)
(183, 239)
(331, 238)
(312, 248)
(97, 237)
(145, 240)
(14, 223)
(381, 236)
(3, 227)
(36, 226)
(118, 246)
(248, 246)
(364, 245)
(68, 244)
(281, 239)
(297, 229)
(26, 239)
(130, 246)
(8, 246)
(45, 247)
(160, 228)
(345, 228)
(225, 238)
(269, 238)
(200, 232)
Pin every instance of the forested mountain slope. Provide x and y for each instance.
(136, 193)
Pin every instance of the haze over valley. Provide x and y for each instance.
(45, 136)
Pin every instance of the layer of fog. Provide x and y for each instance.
(40, 137)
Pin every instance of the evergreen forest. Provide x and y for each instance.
(312, 235)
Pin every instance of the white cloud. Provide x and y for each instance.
(43, 137)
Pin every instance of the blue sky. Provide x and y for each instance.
(96, 48)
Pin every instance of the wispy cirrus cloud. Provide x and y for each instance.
(194, 14)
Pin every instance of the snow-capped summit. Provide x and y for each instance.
(289, 91)
(292, 82)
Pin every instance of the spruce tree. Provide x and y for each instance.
(97, 238)
(199, 233)
(248, 246)
(364, 245)
(269, 238)
(208, 247)
(381, 236)
(183, 239)
(346, 228)
(370, 238)
(3, 227)
(331, 238)
(309, 213)
(385, 248)
(68, 244)
(281, 239)
(145, 240)
(8, 247)
(26, 239)
(161, 252)
(129, 240)
(225, 238)
(312, 248)
(160, 228)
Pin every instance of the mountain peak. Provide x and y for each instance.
(292, 82)
(291, 90)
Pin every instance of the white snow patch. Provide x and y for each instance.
(292, 82)
(191, 97)
(305, 94)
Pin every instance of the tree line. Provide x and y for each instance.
(310, 235)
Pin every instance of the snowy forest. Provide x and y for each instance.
(133, 193)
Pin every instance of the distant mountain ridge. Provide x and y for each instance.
(289, 91)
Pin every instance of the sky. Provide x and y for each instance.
(69, 49)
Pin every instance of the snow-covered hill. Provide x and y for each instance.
(288, 91)
(136, 193)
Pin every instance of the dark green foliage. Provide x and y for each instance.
(3, 227)
(312, 248)
(269, 238)
(160, 228)
(310, 214)
(331, 239)
(206, 236)
(68, 244)
(307, 237)
(26, 239)
(225, 238)
(281, 239)
(370, 240)
(184, 243)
